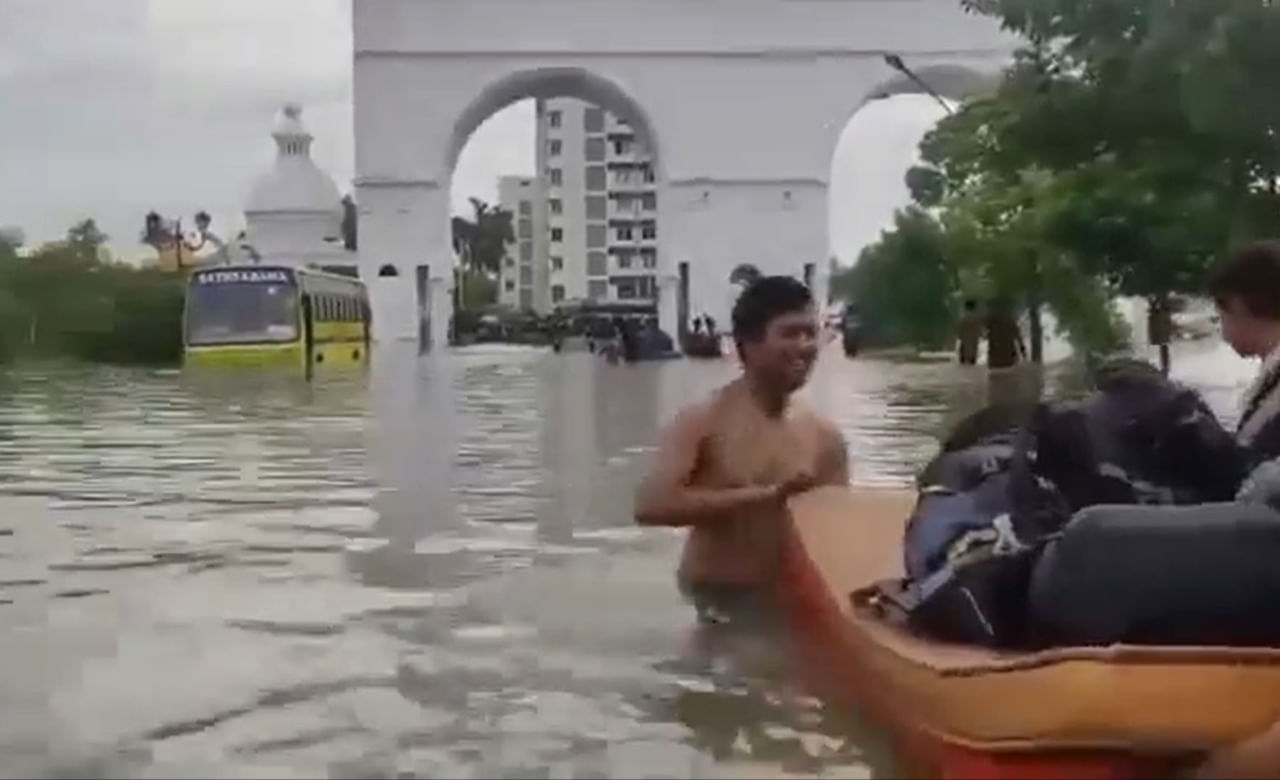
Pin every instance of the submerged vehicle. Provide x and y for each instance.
(275, 316)
(964, 711)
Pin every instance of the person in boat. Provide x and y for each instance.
(654, 341)
(726, 465)
(1246, 290)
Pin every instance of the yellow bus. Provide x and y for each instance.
(262, 316)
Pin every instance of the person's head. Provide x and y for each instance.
(1246, 289)
(775, 328)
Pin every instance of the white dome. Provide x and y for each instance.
(294, 184)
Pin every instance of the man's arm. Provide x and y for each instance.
(835, 457)
(666, 497)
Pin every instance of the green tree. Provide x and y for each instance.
(481, 242)
(69, 299)
(904, 287)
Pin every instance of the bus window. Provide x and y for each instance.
(241, 314)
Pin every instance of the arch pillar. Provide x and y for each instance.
(405, 224)
(776, 224)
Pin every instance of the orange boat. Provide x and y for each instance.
(969, 712)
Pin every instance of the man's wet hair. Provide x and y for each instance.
(1250, 275)
(763, 301)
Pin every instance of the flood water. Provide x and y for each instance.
(431, 571)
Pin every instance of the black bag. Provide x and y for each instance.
(1195, 575)
(970, 546)
(1141, 439)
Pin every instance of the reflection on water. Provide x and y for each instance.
(430, 573)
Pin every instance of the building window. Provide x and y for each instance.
(554, 118)
(649, 176)
(649, 257)
(555, 176)
(524, 228)
(593, 149)
(597, 236)
(649, 201)
(646, 287)
(556, 206)
(557, 293)
(624, 258)
(557, 234)
(510, 285)
(597, 263)
(557, 263)
(526, 276)
(626, 289)
(511, 262)
(597, 289)
(526, 251)
(596, 207)
(624, 233)
(526, 299)
(526, 208)
(649, 231)
(593, 120)
(596, 178)
(554, 147)
(622, 146)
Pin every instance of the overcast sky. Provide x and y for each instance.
(110, 108)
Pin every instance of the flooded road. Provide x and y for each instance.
(432, 572)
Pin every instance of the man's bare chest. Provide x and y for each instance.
(753, 452)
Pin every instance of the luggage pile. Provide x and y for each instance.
(1113, 519)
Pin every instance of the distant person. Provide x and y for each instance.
(726, 466)
(1004, 338)
(970, 333)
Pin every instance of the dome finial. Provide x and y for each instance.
(292, 110)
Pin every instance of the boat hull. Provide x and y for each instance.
(963, 712)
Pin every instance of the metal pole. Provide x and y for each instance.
(894, 61)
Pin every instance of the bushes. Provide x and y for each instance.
(65, 300)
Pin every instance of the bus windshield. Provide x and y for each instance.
(242, 313)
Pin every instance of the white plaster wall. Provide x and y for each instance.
(405, 224)
(295, 239)
(743, 99)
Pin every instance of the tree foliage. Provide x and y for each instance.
(70, 299)
(1129, 144)
(481, 241)
(903, 286)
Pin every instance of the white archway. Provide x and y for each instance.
(549, 83)
(934, 82)
(743, 102)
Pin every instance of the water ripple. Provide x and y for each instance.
(432, 573)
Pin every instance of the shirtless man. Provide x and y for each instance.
(726, 466)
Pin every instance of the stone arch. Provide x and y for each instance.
(949, 79)
(551, 82)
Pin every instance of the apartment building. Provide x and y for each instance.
(524, 267)
(600, 205)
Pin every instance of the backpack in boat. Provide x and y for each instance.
(1140, 439)
(971, 544)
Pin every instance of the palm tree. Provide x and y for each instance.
(481, 242)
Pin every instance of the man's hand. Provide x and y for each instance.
(798, 482)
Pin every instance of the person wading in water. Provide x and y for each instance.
(726, 466)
